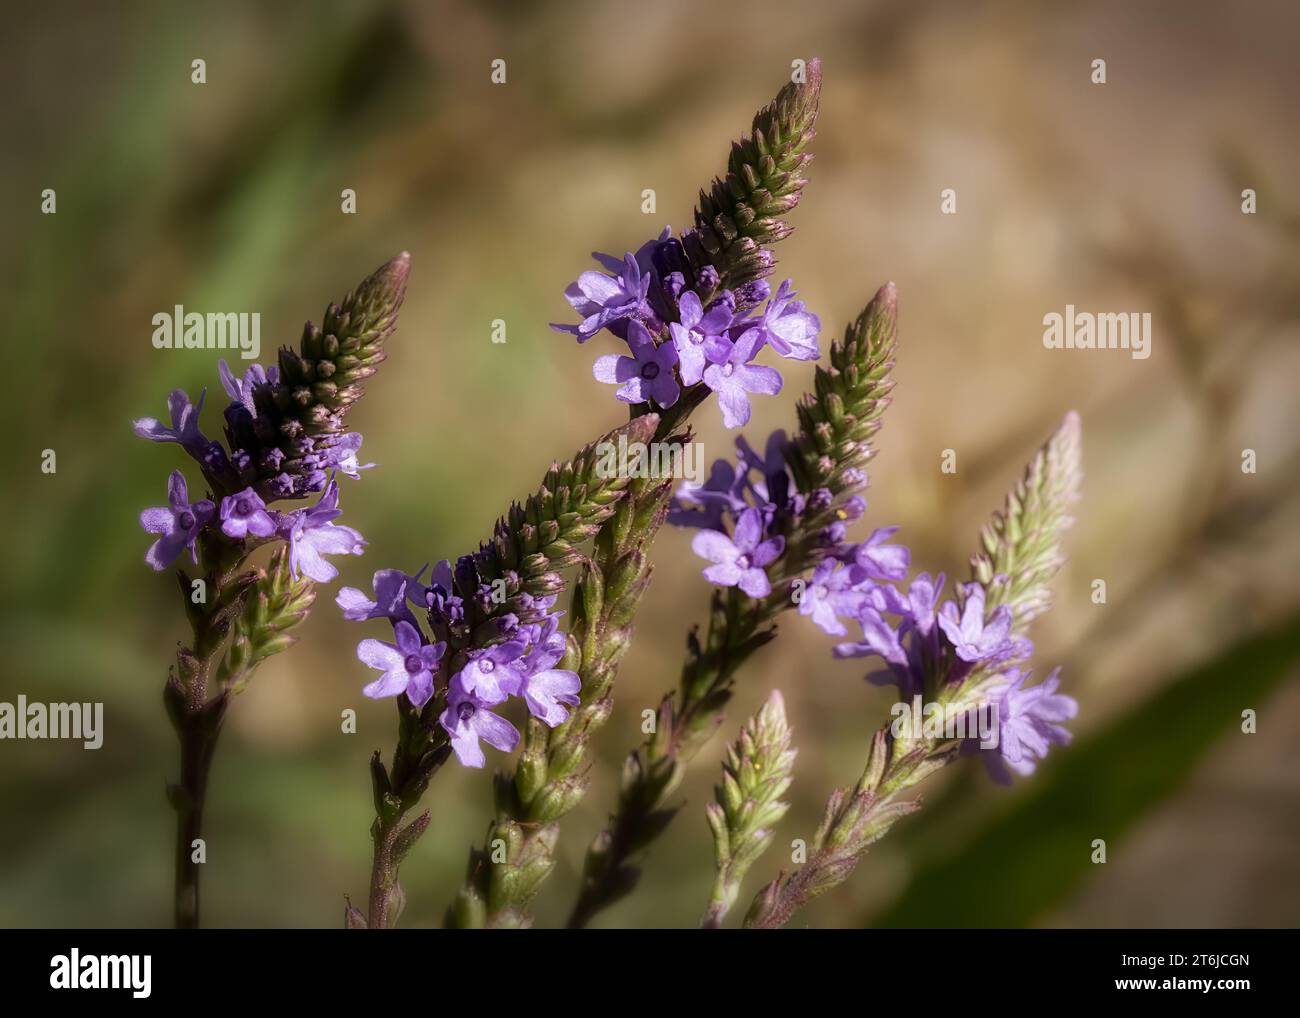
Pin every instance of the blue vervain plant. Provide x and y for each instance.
(286, 440)
(690, 314)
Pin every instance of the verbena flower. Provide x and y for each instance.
(392, 591)
(698, 333)
(467, 720)
(491, 675)
(734, 379)
(184, 428)
(739, 560)
(179, 523)
(245, 513)
(407, 665)
(832, 594)
(548, 691)
(606, 300)
(787, 328)
(646, 375)
(1029, 722)
(312, 534)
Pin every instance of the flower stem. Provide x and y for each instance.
(198, 738)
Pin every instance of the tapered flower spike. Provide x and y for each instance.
(1022, 551)
(755, 774)
(551, 776)
(531, 543)
(289, 422)
(1022, 544)
(325, 375)
(739, 217)
(837, 423)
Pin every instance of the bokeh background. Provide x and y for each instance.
(225, 196)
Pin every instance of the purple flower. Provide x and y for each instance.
(971, 638)
(1028, 721)
(740, 560)
(407, 666)
(343, 456)
(734, 378)
(492, 675)
(604, 300)
(392, 588)
(547, 689)
(467, 719)
(240, 390)
(721, 493)
(245, 514)
(773, 487)
(185, 424)
(312, 535)
(830, 594)
(880, 639)
(438, 597)
(880, 561)
(646, 375)
(178, 522)
(922, 596)
(787, 327)
(700, 333)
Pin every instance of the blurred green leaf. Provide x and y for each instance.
(1026, 863)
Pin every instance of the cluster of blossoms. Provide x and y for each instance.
(682, 331)
(746, 512)
(270, 458)
(519, 659)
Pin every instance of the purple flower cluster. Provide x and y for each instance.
(935, 646)
(243, 515)
(474, 680)
(682, 331)
(749, 510)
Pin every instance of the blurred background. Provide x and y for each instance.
(226, 196)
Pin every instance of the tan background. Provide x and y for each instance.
(225, 197)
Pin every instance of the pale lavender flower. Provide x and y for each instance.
(312, 535)
(830, 595)
(1029, 722)
(343, 456)
(178, 522)
(605, 300)
(972, 639)
(739, 560)
(492, 675)
(880, 561)
(787, 328)
(184, 427)
(922, 597)
(392, 589)
(700, 333)
(646, 375)
(735, 378)
(244, 514)
(407, 665)
(879, 639)
(721, 494)
(240, 390)
(468, 719)
(547, 689)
